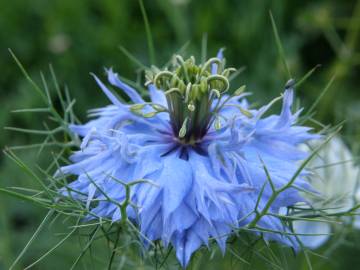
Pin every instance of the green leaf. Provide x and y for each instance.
(279, 46)
(149, 37)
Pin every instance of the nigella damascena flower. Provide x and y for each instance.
(335, 177)
(202, 149)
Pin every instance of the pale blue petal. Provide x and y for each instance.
(157, 96)
(185, 201)
(219, 55)
(107, 92)
(129, 91)
(319, 232)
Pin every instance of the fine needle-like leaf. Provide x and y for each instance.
(87, 246)
(132, 58)
(306, 76)
(52, 249)
(57, 87)
(27, 76)
(322, 94)
(149, 37)
(279, 46)
(204, 41)
(32, 110)
(180, 51)
(33, 237)
(113, 253)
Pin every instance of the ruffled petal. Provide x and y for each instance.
(219, 55)
(157, 96)
(185, 201)
(319, 232)
(107, 92)
(129, 91)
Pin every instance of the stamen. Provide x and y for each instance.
(217, 123)
(173, 90)
(191, 107)
(160, 75)
(190, 91)
(209, 63)
(187, 92)
(216, 78)
(182, 131)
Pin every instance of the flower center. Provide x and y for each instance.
(193, 93)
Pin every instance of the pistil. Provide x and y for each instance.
(190, 91)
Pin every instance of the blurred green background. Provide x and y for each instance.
(78, 37)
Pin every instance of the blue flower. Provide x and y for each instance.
(203, 151)
(335, 177)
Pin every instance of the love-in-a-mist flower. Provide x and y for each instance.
(202, 148)
(336, 178)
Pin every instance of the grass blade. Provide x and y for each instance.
(279, 46)
(132, 58)
(149, 37)
(204, 42)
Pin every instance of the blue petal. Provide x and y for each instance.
(214, 67)
(186, 244)
(312, 240)
(131, 92)
(107, 92)
(157, 96)
(186, 202)
(286, 115)
(174, 188)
